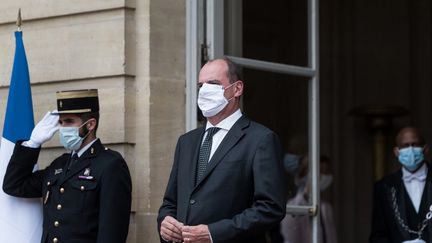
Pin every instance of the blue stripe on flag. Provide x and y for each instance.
(19, 120)
(20, 219)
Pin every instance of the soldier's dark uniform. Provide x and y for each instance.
(88, 203)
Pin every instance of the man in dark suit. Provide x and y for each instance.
(402, 206)
(86, 193)
(227, 182)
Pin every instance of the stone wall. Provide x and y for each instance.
(134, 53)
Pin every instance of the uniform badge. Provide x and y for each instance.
(58, 171)
(86, 175)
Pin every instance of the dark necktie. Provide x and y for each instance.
(73, 161)
(204, 153)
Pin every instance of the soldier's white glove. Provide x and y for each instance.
(414, 241)
(44, 130)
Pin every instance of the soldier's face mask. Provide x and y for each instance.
(70, 138)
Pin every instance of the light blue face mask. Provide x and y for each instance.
(291, 162)
(411, 157)
(70, 138)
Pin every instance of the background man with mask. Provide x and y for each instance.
(403, 200)
(229, 187)
(297, 228)
(86, 193)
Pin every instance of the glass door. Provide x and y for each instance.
(276, 44)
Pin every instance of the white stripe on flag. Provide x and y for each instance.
(20, 218)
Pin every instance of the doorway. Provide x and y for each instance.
(277, 47)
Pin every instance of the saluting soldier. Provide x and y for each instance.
(86, 193)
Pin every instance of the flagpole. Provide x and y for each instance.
(21, 219)
(19, 20)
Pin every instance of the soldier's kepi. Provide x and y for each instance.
(77, 101)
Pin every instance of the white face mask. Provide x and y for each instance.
(325, 181)
(211, 99)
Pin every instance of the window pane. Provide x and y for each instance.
(274, 31)
(280, 102)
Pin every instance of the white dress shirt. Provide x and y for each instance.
(225, 125)
(414, 184)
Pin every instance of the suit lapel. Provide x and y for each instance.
(83, 161)
(231, 139)
(428, 194)
(401, 203)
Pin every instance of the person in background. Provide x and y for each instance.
(402, 201)
(297, 228)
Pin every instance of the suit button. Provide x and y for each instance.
(55, 240)
(62, 190)
(192, 201)
(48, 183)
(56, 223)
(82, 188)
(59, 207)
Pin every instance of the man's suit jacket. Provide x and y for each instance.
(385, 226)
(242, 193)
(89, 203)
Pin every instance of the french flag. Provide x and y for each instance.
(20, 218)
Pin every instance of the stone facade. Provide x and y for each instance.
(134, 53)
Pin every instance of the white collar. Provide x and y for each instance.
(228, 122)
(422, 171)
(83, 149)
